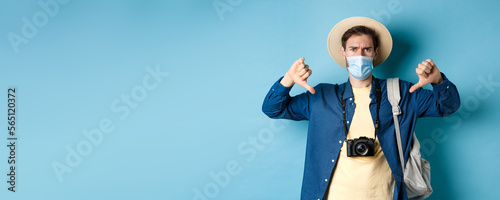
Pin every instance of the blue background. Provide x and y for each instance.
(205, 115)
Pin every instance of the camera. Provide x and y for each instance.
(361, 146)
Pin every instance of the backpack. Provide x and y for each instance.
(417, 171)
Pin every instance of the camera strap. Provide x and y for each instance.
(378, 96)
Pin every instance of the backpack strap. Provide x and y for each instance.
(394, 97)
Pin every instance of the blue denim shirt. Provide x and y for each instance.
(326, 130)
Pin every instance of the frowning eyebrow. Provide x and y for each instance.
(355, 47)
(358, 47)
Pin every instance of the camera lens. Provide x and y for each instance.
(361, 149)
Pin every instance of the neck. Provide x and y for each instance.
(355, 83)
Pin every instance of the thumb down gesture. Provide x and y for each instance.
(298, 73)
(427, 73)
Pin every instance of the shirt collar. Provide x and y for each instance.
(348, 90)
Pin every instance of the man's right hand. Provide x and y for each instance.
(298, 73)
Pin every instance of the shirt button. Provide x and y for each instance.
(447, 87)
(348, 122)
(333, 160)
(350, 99)
(326, 180)
(340, 141)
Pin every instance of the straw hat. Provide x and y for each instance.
(335, 37)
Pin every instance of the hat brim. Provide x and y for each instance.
(335, 38)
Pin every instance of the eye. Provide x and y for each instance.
(353, 49)
(368, 49)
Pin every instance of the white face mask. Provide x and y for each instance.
(360, 67)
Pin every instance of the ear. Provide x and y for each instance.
(343, 52)
(376, 53)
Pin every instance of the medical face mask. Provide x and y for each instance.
(360, 67)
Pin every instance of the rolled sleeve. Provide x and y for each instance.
(279, 89)
(447, 96)
(442, 101)
(279, 105)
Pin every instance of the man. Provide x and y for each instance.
(340, 114)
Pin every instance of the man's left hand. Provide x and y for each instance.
(427, 73)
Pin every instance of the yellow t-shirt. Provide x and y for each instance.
(361, 177)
